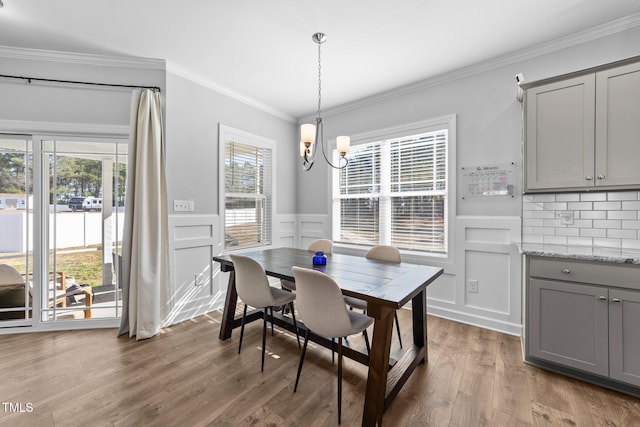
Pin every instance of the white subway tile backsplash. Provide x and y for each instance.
(582, 223)
(628, 225)
(569, 197)
(532, 206)
(573, 232)
(628, 206)
(623, 195)
(622, 215)
(554, 240)
(593, 232)
(580, 241)
(600, 219)
(607, 206)
(631, 244)
(611, 243)
(622, 234)
(556, 223)
(543, 214)
(562, 206)
(593, 197)
(580, 206)
(543, 197)
(592, 214)
(607, 223)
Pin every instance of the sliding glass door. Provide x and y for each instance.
(61, 222)
(83, 195)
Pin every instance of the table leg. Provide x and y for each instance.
(419, 314)
(229, 313)
(378, 364)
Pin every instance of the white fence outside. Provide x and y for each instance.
(72, 229)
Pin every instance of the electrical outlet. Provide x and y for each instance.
(472, 286)
(566, 217)
(183, 205)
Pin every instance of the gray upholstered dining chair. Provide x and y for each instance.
(321, 306)
(380, 253)
(320, 245)
(253, 289)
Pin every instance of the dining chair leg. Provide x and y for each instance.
(333, 346)
(244, 315)
(304, 350)
(339, 380)
(366, 341)
(264, 337)
(398, 329)
(271, 310)
(295, 324)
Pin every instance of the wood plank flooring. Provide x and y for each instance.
(187, 377)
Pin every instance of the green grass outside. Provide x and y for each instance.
(85, 267)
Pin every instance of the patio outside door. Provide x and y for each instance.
(68, 243)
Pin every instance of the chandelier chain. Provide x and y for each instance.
(319, 80)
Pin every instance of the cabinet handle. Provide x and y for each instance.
(616, 300)
(588, 178)
(602, 298)
(566, 271)
(601, 176)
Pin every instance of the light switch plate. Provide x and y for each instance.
(183, 205)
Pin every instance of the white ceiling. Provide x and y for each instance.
(262, 49)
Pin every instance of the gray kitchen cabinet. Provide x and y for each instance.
(559, 134)
(569, 325)
(584, 315)
(618, 126)
(624, 336)
(582, 130)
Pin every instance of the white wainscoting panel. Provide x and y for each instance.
(312, 227)
(285, 231)
(485, 253)
(195, 287)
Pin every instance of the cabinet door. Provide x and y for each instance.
(624, 336)
(618, 126)
(559, 134)
(568, 324)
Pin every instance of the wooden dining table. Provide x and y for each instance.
(386, 286)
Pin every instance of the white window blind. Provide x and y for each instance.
(247, 195)
(394, 192)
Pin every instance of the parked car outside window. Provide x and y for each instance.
(75, 203)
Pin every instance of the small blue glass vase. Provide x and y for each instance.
(319, 259)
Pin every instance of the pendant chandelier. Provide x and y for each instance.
(311, 134)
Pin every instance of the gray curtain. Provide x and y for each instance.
(145, 260)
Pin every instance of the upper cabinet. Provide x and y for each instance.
(582, 132)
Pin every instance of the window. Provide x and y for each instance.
(396, 189)
(247, 195)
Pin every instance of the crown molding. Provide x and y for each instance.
(202, 81)
(575, 39)
(81, 58)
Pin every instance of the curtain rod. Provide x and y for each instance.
(30, 79)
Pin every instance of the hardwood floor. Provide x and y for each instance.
(187, 377)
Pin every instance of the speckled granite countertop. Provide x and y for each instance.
(587, 253)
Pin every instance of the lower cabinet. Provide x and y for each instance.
(624, 336)
(585, 315)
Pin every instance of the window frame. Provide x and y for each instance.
(247, 138)
(424, 126)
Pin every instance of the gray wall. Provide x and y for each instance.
(193, 113)
(488, 115)
(45, 102)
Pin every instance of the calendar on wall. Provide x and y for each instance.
(488, 180)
